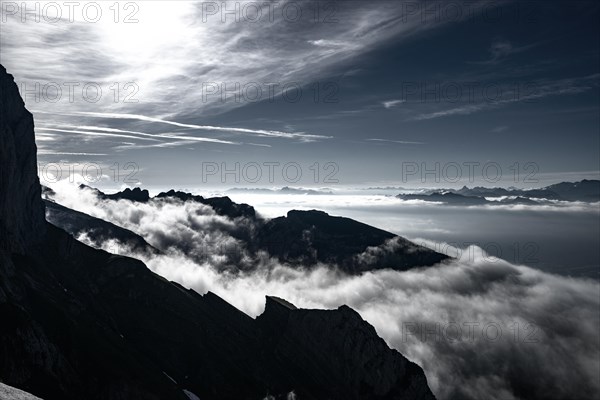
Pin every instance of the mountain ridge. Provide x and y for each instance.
(582, 191)
(302, 239)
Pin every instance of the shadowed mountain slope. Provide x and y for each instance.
(309, 237)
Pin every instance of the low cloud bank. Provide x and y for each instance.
(479, 326)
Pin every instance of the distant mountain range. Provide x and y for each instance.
(584, 191)
(283, 190)
(80, 323)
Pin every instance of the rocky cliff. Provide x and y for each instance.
(21, 209)
(79, 323)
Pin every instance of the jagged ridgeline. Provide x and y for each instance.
(302, 239)
(80, 323)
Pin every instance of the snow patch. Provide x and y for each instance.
(10, 393)
(191, 395)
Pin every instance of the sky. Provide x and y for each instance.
(309, 93)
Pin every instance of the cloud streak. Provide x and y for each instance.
(257, 132)
(537, 91)
(392, 103)
(501, 49)
(393, 141)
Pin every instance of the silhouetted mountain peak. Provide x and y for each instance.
(222, 205)
(288, 329)
(183, 196)
(273, 301)
(135, 194)
(308, 237)
(307, 214)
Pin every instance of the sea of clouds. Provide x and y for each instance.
(480, 327)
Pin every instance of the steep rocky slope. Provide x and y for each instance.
(98, 230)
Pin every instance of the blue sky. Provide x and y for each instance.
(376, 93)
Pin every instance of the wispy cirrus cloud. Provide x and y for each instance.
(392, 141)
(144, 69)
(500, 129)
(66, 153)
(100, 131)
(392, 103)
(93, 133)
(257, 132)
(570, 86)
(501, 49)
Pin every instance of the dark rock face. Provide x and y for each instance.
(135, 194)
(336, 339)
(99, 231)
(78, 323)
(21, 209)
(183, 196)
(222, 205)
(308, 237)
